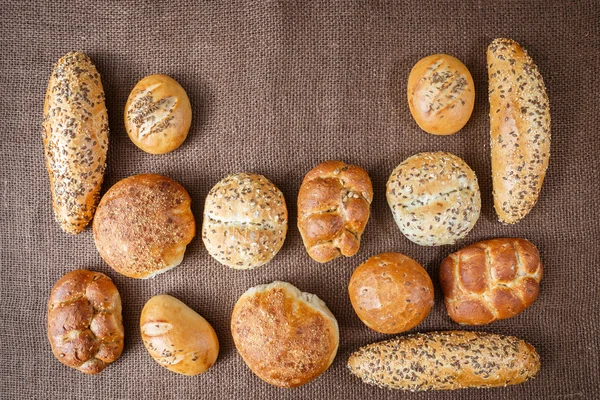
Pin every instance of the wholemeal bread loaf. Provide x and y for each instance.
(333, 209)
(245, 221)
(391, 293)
(143, 225)
(490, 280)
(158, 114)
(177, 337)
(446, 361)
(75, 133)
(286, 337)
(520, 129)
(85, 326)
(441, 94)
(434, 198)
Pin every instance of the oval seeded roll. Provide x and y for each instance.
(245, 221)
(143, 225)
(391, 293)
(158, 114)
(434, 198)
(85, 326)
(441, 94)
(286, 337)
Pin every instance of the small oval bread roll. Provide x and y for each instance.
(441, 94)
(391, 293)
(286, 337)
(143, 225)
(333, 209)
(158, 114)
(85, 326)
(434, 198)
(245, 221)
(177, 337)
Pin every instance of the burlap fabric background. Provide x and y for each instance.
(277, 87)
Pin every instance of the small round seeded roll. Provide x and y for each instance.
(245, 221)
(434, 198)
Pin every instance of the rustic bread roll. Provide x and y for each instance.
(446, 361)
(333, 209)
(286, 337)
(391, 293)
(490, 280)
(434, 198)
(143, 225)
(520, 129)
(441, 94)
(158, 114)
(75, 133)
(245, 221)
(177, 337)
(85, 326)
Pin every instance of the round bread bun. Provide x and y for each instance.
(245, 221)
(143, 225)
(434, 198)
(391, 293)
(441, 94)
(286, 337)
(158, 114)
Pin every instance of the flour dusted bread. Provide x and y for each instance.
(85, 326)
(75, 133)
(520, 129)
(333, 209)
(285, 336)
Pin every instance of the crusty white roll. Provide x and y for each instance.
(520, 129)
(75, 133)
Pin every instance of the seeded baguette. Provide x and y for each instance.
(75, 134)
(520, 129)
(445, 361)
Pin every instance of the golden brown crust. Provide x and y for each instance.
(158, 114)
(143, 225)
(286, 337)
(75, 133)
(520, 129)
(434, 198)
(446, 361)
(177, 337)
(391, 293)
(333, 209)
(490, 280)
(85, 326)
(245, 221)
(441, 94)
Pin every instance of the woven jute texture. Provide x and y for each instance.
(276, 88)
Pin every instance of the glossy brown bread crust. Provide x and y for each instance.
(85, 325)
(333, 209)
(445, 361)
(490, 280)
(75, 133)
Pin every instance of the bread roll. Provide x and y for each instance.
(434, 198)
(177, 337)
(441, 94)
(245, 221)
(158, 114)
(333, 209)
(446, 361)
(391, 293)
(143, 225)
(286, 337)
(75, 133)
(85, 326)
(490, 280)
(520, 129)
